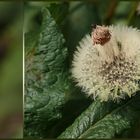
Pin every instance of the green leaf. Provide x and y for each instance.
(92, 114)
(95, 122)
(46, 81)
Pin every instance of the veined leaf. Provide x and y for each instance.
(96, 111)
(46, 77)
(108, 126)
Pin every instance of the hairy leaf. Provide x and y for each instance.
(91, 125)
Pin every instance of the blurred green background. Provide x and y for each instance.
(11, 58)
(75, 19)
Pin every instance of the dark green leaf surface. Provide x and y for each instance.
(112, 124)
(95, 112)
(46, 86)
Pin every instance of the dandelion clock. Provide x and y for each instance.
(106, 64)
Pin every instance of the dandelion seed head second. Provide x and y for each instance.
(109, 70)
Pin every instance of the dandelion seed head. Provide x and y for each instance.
(110, 70)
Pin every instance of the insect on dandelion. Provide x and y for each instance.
(106, 63)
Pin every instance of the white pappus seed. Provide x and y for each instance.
(109, 70)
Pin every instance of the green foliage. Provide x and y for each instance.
(46, 85)
(104, 120)
(54, 106)
(91, 115)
